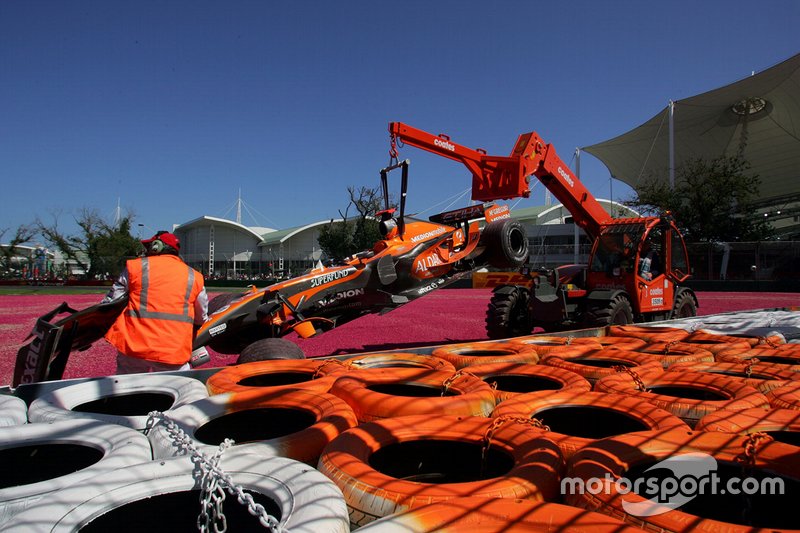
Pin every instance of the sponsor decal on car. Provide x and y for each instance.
(324, 279)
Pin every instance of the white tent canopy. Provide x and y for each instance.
(758, 116)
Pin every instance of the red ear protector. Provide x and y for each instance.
(156, 246)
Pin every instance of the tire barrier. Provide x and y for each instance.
(125, 400)
(783, 425)
(391, 465)
(309, 374)
(717, 343)
(296, 424)
(512, 379)
(784, 354)
(399, 360)
(13, 411)
(546, 345)
(710, 339)
(761, 376)
(473, 353)
(166, 496)
(738, 463)
(391, 392)
(497, 515)
(688, 395)
(786, 396)
(576, 418)
(673, 352)
(604, 363)
(649, 333)
(43, 459)
(622, 343)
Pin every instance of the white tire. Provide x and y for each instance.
(13, 411)
(39, 459)
(128, 399)
(164, 496)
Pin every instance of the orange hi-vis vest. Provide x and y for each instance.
(158, 322)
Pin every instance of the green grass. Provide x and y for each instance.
(16, 290)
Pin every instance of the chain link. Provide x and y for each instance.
(636, 378)
(318, 372)
(754, 441)
(214, 480)
(446, 384)
(500, 421)
(748, 366)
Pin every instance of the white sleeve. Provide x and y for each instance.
(118, 289)
(201, 308)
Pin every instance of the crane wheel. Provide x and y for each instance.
(685, 306)
(618, 312)
(507, 315)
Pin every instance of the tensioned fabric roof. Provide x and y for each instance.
(759, 116)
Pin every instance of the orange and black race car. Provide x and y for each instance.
(413, 258)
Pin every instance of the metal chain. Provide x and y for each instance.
(754, 441)
(748, 366)
(500, 421)
(446, 384)
(668, 346)
(214, 480)
(326, 362)
(769, 342)
(393, 154)
(637, 380)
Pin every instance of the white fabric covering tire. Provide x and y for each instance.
(13, 411)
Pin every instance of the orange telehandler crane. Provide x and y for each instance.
(637, 267)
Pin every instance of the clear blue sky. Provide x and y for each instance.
(172, 107)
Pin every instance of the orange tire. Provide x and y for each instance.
(688, 395)
(649, 333)
(545, 345)
(474, 353)
(391, 392)
(512, 379)
(623, 343)
(497, 515)
(708, 340)
(786, 396)
(291, 423)
(784, 354)
(602, 363)
(760, 376)
(392, 465)
(781, 424)
(577, 418)
(309, 374)
(670, 353)
(623, 462)
(399, 360)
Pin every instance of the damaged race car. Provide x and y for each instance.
(413, 258)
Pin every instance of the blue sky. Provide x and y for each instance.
(172, 107)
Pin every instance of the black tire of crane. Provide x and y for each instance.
(761, 376)
(549, 378)
(600, 364)
(13, 411)
(618, 311)
(782, 424)
(43, 459)
(309, 374)
(649, 333)
(291, 423)
(553, 344)
(624, 459)
(588, 416)
(787, 355)
(465, 354)
(140, 394)
(685, 305)
(507, 313)
(670, 353)
(299, 497)
(398, 360)
(785, 396)
(269, 349)
(708, 393)
(506, 243)
(496, 514)
(390, 392)
(387, 466)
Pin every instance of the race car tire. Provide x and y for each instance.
(42, 459)
(633, 460)
(268, 349)
(285, 423)
(577, 418)
(782, 425)
(506, 243)
(509, 380)
(391, 392)
(602, 363)
(391, 465)
(649, 333)
(507, 314)
(398, 360)
(125, 400)
(308, 374)
(618, 311)
(669, 353)
(165, 496)
(496, 515)
(688, 395)
(13, 411)
(465, 354)
(785, 396)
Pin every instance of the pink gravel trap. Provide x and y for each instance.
(443, 317)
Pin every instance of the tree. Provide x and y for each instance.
(101, 248)
(711, 200)
(351, 235)
(22, 235)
